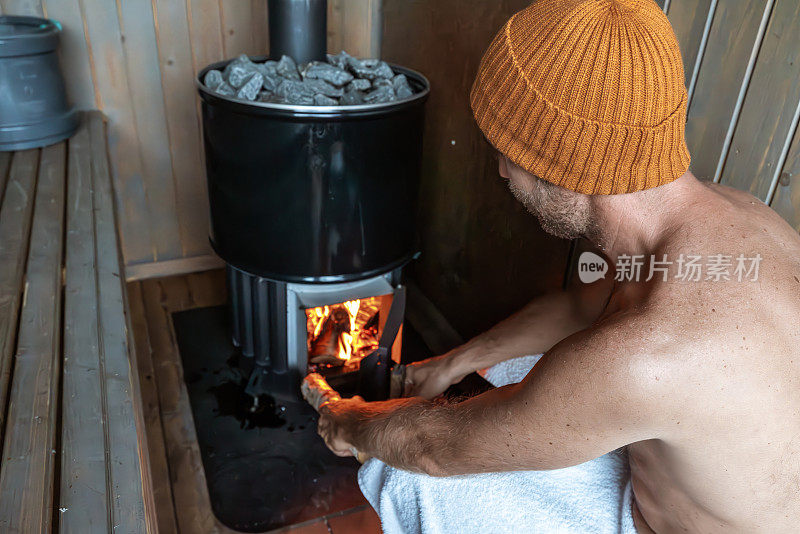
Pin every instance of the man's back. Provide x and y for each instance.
(728, 356)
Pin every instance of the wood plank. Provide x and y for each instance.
(141, 61)
(113, 95)
(15, 223)
(205, 32)
(205, 29)
(732, 38)
(162, 489)
(144, 271)
(243, 27)
(355, 26)
(5, 163)
(115, 99)
(208, 288)
(22, 7)
(127, 460)
(175, 60)
(768, 115)
(84, 495)
(26, 478)
(688, 19)
(190, 492)
(787, 194)
(75, 56)
(259, 21)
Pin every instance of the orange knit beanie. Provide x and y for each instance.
(586, 94)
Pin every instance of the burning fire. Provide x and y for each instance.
(342, 334)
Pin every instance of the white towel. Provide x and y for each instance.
(593, 497)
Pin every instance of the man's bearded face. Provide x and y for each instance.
(561, 212)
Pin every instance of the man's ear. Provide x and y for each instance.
(502, 164)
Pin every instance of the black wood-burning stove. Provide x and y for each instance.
(310, 205)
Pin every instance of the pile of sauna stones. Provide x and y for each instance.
(341, 81)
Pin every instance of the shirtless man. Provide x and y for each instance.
(699, 378)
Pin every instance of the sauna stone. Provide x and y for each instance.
(268, 68)
(369, 69)
(322, 100)
(213, 79)
(329, 73)
(321, 87)
(225, 89)
(401, 87)
(271, 83)
(352, 97)
(287, 68)
(339, 60)
(342, 80)
(360, 84)
(380, 95)
(249, 90)
(295, 92)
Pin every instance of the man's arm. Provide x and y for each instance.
(533, 330)
(583, 399)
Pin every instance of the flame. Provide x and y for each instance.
(357, 337)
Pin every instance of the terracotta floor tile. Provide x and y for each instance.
(317, 526)
(364, 521)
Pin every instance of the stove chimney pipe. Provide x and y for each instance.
(299, 29)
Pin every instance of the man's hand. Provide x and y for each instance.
(430, 378)
(338, 423)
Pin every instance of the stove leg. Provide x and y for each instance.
(277, 304)
(261, 321)
(245, 312)
(232, 275)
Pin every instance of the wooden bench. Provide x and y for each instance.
(73, 444)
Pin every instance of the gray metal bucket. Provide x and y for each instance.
(33, 104)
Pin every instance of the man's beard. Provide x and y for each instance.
(561, 213)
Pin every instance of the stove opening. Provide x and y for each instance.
(341, 335)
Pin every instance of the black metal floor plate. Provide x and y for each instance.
(265, 469)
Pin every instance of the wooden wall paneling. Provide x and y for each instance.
(355, 26)
(483, 256)
(115, 99)
(140, 47)
(15, 223)
(128, 461)
(244, 27)
(733, 39)
(84, 492)
(205, 29)
(74, 52)
(766, 123)
(688, 19)
(786, 200)
(260, 22)
(21, 7)
(177, 74)
(26, 479)
(205, 32)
